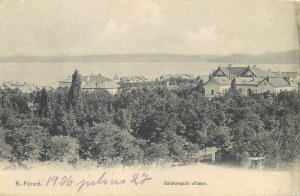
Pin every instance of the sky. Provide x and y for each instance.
(91, 27)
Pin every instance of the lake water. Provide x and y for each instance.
(50, 73)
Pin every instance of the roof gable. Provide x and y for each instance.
(224, 70)
(219, 81)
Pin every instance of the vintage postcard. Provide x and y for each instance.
(149, 97)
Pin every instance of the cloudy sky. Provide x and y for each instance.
(89, 27)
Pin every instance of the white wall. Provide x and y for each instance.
(264, 87)
(288, 88)
(218, 89)
(112, 91)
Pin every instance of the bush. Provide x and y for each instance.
(110, 145)
(27, 142)
(5, 149)
(63, 149)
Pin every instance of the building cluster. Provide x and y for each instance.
(249, 80)
(24, 86)
(99, 82)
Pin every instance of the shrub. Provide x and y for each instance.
(63, 148)
(27, 142)
(5, 149)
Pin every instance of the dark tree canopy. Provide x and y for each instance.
(75, 89)
(44, 107)
(151, 123)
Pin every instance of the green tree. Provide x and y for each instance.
(27, 142)
(200, 87)
(43, 103)
(63, 149)
(108, 144)
(5, 149)
(74, 92)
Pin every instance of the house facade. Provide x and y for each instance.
(217, 86)
(93, 82)
(109, 86)
(249, 80)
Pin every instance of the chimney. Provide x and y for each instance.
(254, 65)
(168, 83)
(268, 78)
(253, 76)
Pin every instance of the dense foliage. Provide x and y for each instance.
(148, 124)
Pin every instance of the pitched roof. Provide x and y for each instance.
(233, 70)
(98, 78)
(283, 74)
(220, 80)
(248, 81)
(261, 73)
(240, 71)
(133, 78)
(183, 76)
(278, 82)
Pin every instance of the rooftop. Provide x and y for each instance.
(240, 71)
(182, 76)
(221, 80)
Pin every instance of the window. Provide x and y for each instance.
(212, 92)
(249, 92)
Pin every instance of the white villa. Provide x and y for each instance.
(249, 79)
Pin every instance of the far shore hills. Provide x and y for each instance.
(285, 57)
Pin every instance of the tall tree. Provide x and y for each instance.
(200, 87)
(74, 92)
(44, 107)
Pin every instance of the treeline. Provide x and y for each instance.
(147, 125)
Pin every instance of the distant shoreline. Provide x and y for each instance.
(286, 57)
